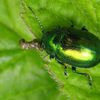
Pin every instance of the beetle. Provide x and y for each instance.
(69, 45)
(79, 48)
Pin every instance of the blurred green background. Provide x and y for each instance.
(24, 74)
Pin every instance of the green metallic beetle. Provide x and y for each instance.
(78, 48)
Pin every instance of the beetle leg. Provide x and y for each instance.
(65, 71)
(51, 56)
(72, 25)
(84, 29)
(85, 74)
(65, 68)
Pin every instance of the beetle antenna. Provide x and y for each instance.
(38, 20)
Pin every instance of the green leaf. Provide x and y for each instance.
(10, 17)
(66, 13)
(23, 73)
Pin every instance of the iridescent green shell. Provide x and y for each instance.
(78, 48)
